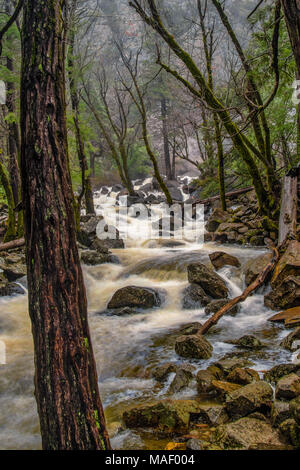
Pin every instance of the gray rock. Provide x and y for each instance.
(250, 398)
(136, 297)
(212, 284)
(194, 297)
(194, 347)
(280, 412)
(219, 259)
(288, 387)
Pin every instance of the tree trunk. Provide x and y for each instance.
(288, 209)
(164, 114)
(291, 10)
(66, 382)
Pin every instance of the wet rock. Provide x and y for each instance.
(176, 194)
(194, 444)
(211, 283)
(280, 412)
(166, 416)
(294, 408)
(254, 267)
(212, 415)
(88, 226)
(290, 341)
(227, 365)
(194, 297)
(205, 380)
(249, 342)
(219, 259)
(243, 376)
(93, 258)
(247, 433)
(279, 371)
(194, 347)
(290, 317)
(9, 289)
(161, 373)
(217, 217)
(181, 380)
(136, 297)
(14, 271)
(190, 329)
(288, 387)
(290, 430)
(119, 311)
(215, 305)
(223, 388)
(288, 265)
(286, 295)
(253, 397)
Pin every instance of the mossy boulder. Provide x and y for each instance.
(253, 397)
(136, 297)
(193, 347)
(219, 259)
(254, 267)
(212, 284)
(288, 387)
(243, 376)
(281, 370)
(194, 297)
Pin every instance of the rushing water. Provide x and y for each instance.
(127, 347)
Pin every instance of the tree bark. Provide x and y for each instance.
(66, 382)
(288, 209)
(168, 167)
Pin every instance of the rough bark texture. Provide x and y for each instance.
(288, 209)
(164, 114)
(66, 384)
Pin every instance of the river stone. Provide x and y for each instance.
(290, 430)
(193, 346)
(161, 373)
(243, 376)
(135, 297)
(205, 380)
(13, 272)
(217, 217)
(281, 370)
(222, 388)
(88, 226)
(194, 444)
(94, 258)
(285, 296)
(249, 342)
(288, 387)
(288, 265)
(219, 259)
(210, 282)
(194, 297)
(215, 305)
(290, 342)
(190, 329)
(254, 267)
(213, 415)
(166, 416)
(227, 365)
(280, 412)
(294, 408)
(9, 289)
(181, 380)
(246, 433)
(250, 398)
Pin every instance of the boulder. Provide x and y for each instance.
(9, 289)
(136, 297)
(94, 258)
(279, 371)
(280, 412)
(290, 317)
(249, 342)
(227, 365)
(212, 284)
(194, 297)
(205, 380)
(212, 415)
(288, 265)
(254, 267)
(253, 397)
(14, 271)
(290, 430)
(219, 259)
(223, 388)
(217, 217)
(294, 409)
(247, 433)
(215, 305)
(288, 387)
(176, 194)
(290, 342)
(88, 226)
(285, 296)
(243, 376)
(181, 380)
(193, 346)
(167, 416)
(161, 373)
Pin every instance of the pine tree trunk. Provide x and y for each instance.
(66, 382)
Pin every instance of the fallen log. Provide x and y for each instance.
(241, 298)
(288, 209)
(237, 192)
(13, 244)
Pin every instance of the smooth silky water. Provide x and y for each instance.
(128, 347)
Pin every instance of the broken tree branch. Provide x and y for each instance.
(241, 298)
(13, 244)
